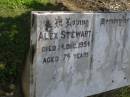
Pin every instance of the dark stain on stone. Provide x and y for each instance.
(112, 81)
(32, 53)
(92, 46)
(33, 19)
(35, 90)
(125, 78)
(115, 59)
(125, 39)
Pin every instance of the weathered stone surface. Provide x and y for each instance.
(79, 54)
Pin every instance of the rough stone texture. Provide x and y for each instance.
(99, 5)
(96, 61)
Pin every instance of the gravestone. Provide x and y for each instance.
(79, 54)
